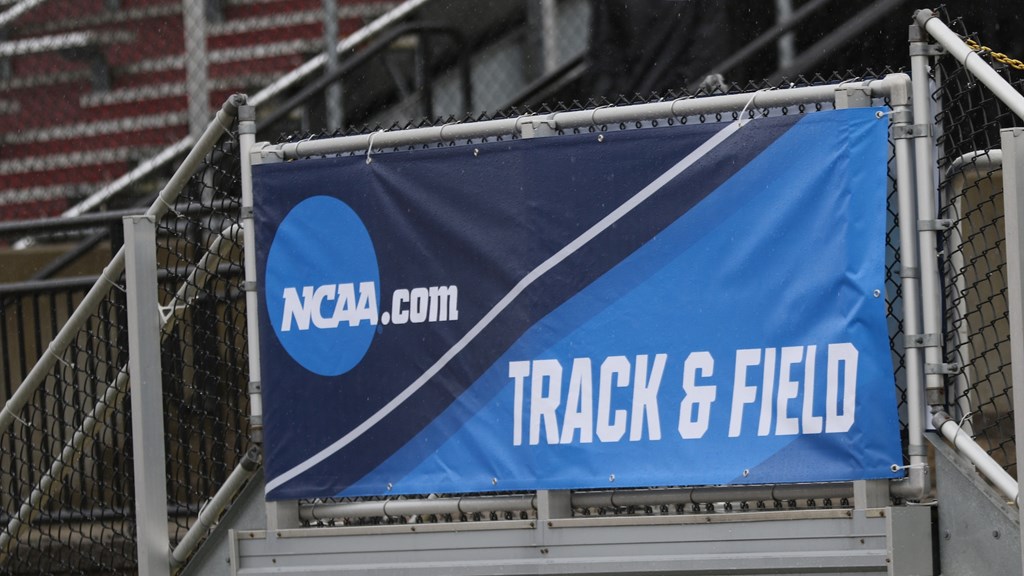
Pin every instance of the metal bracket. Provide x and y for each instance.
(934, 225)
(900, 131)
(943, 368)
(910, 272)
(249, 286)
(922, 49)
(853, 97)
(255, 387)
(539, 126)
(922, 340)
(904, 116)
(246, 212)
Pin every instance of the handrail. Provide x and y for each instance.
(756, 45)
(284, 83)
(977, 66)
(112, 272)
(382, 43)
(12, 13)
(564, 120)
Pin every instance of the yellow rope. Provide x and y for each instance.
(997, 56)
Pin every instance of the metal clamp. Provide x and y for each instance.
(922, 340)
(246, 212)
(249, 286)
(910, 272)
(853, 96)
(255, 387)
(538, 126)
(922, 49)
(901, 131)
(934, 225)
(942, 368)
(902, 116)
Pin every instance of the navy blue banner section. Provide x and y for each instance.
(681, 305)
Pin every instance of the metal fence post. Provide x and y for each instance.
(928, 224)
(1013, 210)
(146, 396)
(279, 514)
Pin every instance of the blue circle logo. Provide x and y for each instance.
(323, 286)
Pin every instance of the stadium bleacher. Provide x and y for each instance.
(90, 88)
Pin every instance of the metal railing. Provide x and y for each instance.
(970, 376)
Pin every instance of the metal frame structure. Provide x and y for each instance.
(871, 538)
(929, 27)
(551, 534)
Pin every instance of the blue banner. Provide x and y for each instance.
(684, 305)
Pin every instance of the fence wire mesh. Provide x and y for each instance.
(66, 467)
(973, 252)
(894, 293)
(58, 147)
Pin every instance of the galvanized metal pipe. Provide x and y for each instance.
(282, 84)
(211, 512)
(112, 272)
(916, 484)
(710, 495)
(965, 171)
(246, 139)
(924, 173)
(350, 42)
(12, 13)
(468, 505)
(758, 45)
(51, 480)
(988, 467)
(564, 120)
(598, 499)
(970, 60)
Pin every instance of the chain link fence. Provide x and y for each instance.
(66, 467)
(76, 516)
(66, 480)
(973, 251)
(357, 512)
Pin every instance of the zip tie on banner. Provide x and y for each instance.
(440, 133)
(60, 359)
(112, 283)
(16, 417)
(747, 105)
(167, 311)
(227, 130)
(593, 113)
(369, 147)
(170, 208)
(672, 106)
(959, 427)
(299, 143)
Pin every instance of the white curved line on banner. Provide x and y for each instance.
(502, 304)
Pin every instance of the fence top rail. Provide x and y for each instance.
(971, 60)
(267, 153)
